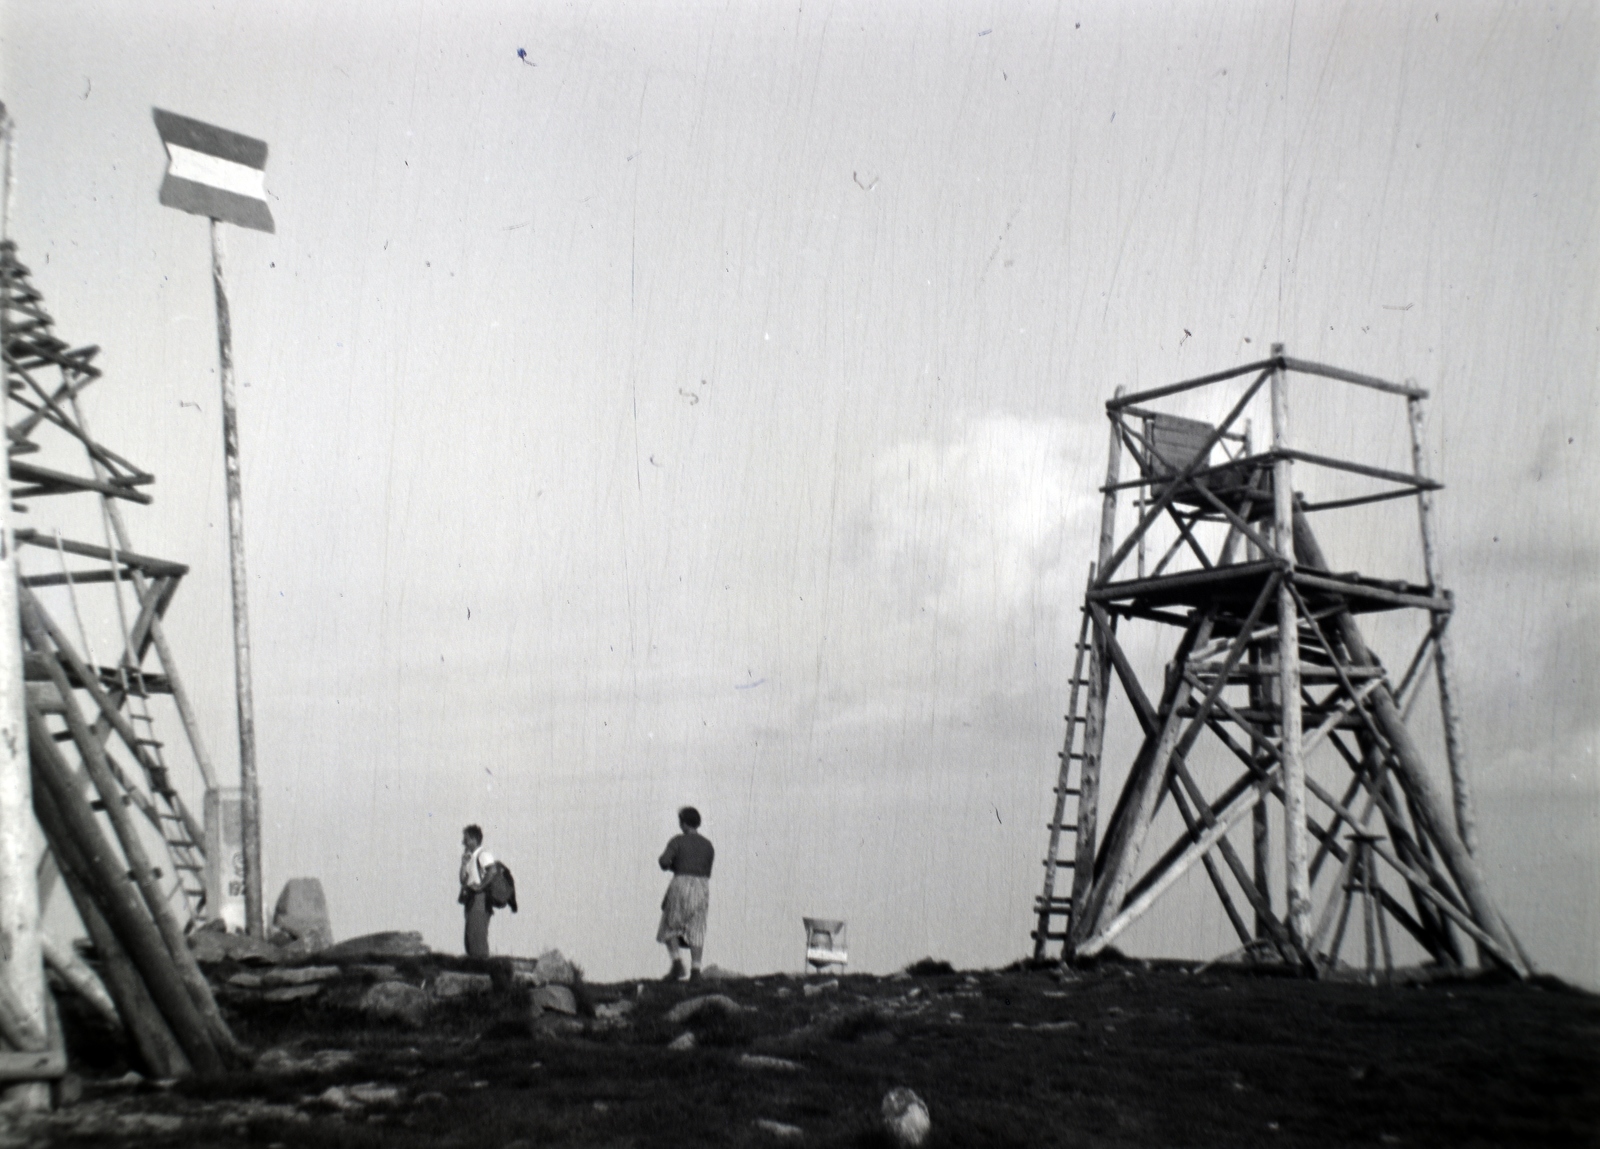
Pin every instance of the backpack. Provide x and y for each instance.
(501, 888)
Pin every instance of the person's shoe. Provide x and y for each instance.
(675, 973)
(694, 975)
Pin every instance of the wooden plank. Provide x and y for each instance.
(1306, 367)
(42, 1066)
(1121, 401)
(1400, 477)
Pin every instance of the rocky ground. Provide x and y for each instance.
(412, 1049)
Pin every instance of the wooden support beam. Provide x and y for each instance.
(155, 899)
(70, 827)
(1418, 783)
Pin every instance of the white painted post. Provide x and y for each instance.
(1294, 773)
(250, 792)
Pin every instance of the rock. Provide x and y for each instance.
(302, 914)
(814, 988)
(376, 972)
(552, 968)
(613, 1010)
(372, 1093)
(292, 992)
(451, 983)
(245, 981)
(390, 943)
(761, 1061)
(905, 1118)
(779, 1129)
(218, 945)
(338, 1097)
(717, 973)
(554, 1025)
(281, 1060)
(303, 975)
(395, 1001)
(684, 1010)
(557, 998)
(682, 1042)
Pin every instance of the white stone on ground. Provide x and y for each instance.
(905, 1117)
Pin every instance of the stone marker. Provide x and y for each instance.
(389, 943)
(557, 998)
(449, 983)
(396, 1001)
(905, 1118)
(302, 914)
(682, 1042)
(684, 1010)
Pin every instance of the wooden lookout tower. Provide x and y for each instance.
(1269, 690)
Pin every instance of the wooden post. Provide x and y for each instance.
(1298, 881)
(1094, 731)
(1443, 656)
(21, 963)
(250, 790)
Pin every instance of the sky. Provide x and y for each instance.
(651, 404)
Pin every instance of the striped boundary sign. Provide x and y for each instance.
(214, 172)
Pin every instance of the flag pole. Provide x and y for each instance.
(21, 959)
(250, 795)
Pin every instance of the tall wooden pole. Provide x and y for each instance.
(1298, 881)
(250, 791)
(1443, 654)
(21, 961)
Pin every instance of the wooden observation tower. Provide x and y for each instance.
(1269, 691)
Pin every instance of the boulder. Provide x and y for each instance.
(302, 915)
(390, 943)
(780, 1129)
(450, 983)
(613, 1010)
(219, 945)
(682, 1042)
(557, 998)
(396, 1001)
(552, 968)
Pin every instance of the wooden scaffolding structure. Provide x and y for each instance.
(101, 685)
(1268, 662)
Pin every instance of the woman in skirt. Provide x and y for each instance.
(683, 910)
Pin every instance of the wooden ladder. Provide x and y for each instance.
(1050, 906)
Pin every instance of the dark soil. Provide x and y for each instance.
(1136, 1055)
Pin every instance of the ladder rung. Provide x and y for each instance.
(1070, 790)
(1073, 826)
(187, 866)
(1077, 682)
(1070, 754)
(62, 736)
(1049, 937)
(1062, 863)
(149, 742)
